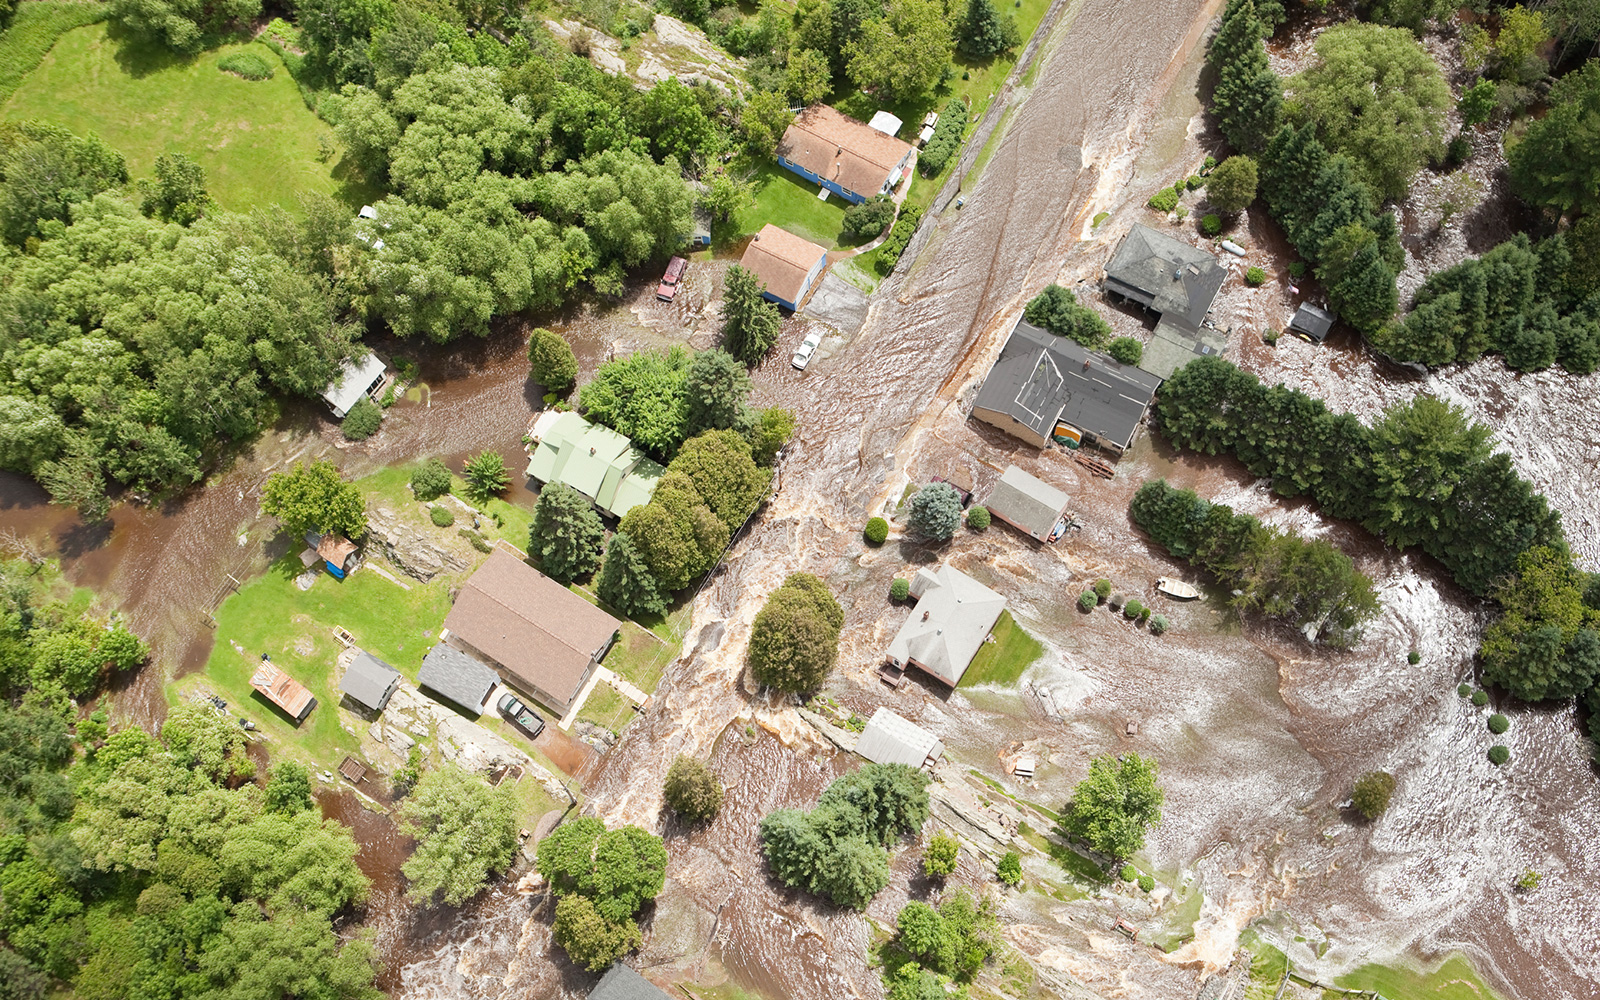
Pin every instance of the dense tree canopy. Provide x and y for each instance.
(1056, 309)
(1554, 165)
(902, 53)
(180, 25)
(643, 396)
(1377, 97)
(44, 169)
(465, 832)
(602, 877)
(311, 496)
(794, 640)
(1248, 96)
(1114, 805)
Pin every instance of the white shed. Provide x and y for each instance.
(889, 739)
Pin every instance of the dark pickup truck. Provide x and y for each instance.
(520, 715)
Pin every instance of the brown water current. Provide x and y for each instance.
(1258, 734)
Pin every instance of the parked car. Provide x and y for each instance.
(520, 715)
(669, 281)
(808, 347)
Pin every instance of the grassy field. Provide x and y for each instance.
(256, 139)
(1454, 980)
(1003, 661)
(787, 201)
(33, 31)
(271, 615)
(607, 709)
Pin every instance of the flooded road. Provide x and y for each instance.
(1258, 735)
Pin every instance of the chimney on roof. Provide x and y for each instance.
(924, 618)
(591, 451)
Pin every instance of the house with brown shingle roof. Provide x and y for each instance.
(786, 264)
(542, 638)
(850, 158)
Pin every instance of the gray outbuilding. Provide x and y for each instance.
(369, 681)
(622, 983)
(1027, 503)
(457, 677)
(889, 739)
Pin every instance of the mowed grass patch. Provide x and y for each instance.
(606, 708)
(256, 139)
(1002, 661)
(1454, 980)
(34, 30)
(271, 615)
(640, 657)
(789, 202)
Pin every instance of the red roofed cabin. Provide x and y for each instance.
(786, 264)
(850, 158)
(283, 691)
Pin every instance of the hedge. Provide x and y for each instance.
(947, 136)
(889, 253)
(245, 64)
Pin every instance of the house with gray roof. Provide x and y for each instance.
(953, 616)
(355, 380)
(457, 677)
(1176, 281)
(369, 681)
(622, 983)
(889, 739)
(1043, 386)
(1029, 504)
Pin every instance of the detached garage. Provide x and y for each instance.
(889, 739)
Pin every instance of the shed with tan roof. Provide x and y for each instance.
(850, 158)
(786, 264)
(544, 639)
(283, 691)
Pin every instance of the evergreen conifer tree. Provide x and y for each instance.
(566, 533)
(985, 32)
(749, 322)
(626, 582)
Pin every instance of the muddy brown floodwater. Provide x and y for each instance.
(1258, 735)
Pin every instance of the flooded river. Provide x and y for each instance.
(1258, 735)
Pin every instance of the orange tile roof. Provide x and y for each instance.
(838, 148)
(281, 689)
(781, 260)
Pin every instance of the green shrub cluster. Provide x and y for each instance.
(953, 940)
(899, 238)
(1413, 657)
(1147, 883)
(1133, 608)
(1087, 601)
(1464, 690)
(1372, 793)
(1129, 873)
(869, 218)
(978, 519)
(246, 64)
(1276, 573)
(1126, 350)
(1210, 225)
(361, 421)
(1009, 870)
(1480, 698)
(430, 481)
(1165, 200)
(1056, 309)
(442, 516)
(900, 589)
(876, 531)
(946, 139)
(941, 857)
(1254, 276)
(839, 849)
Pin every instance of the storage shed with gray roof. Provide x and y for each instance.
(953, 616)
(1027, 503)
(889, 739)
(369, 681)
(622, 983)
(457, 677)
(1041, 381)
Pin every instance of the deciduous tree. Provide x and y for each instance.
(465, 832)
(311, 496)
(1232, 185)
(692, 790)
(901, 55)
(1114, 805)
(551, 361)
(794, 640)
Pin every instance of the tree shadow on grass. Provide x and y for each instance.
(140, 57)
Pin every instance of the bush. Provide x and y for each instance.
(1457, 152)
(1413, 657)
(1009, 870)
(1133, 608)
(1464, 690)
(900, 589)
(876, 531)
(1102, 590)
(1270, 338)
(551, 362)
(946, 138)
(941, 856)
(1087, 601)
(1372, 792)
(1528, 881)
(1164, 200)
(1147, 883)
(431, 480)
(1126, 350)
(486, 476)
(1129, 873)
(1480, 698)
(1498, 723)
(899, 237)
(691, 790)
(870, 217)
(1194, 183)
(1159, 624)
(978, 519)
(362, 420)
(1115, 602)
(442, 516)
(1498, 755)
(1255, 277)
(1297, 269)
(246, 64)
(1210, 225)
(1144, 615)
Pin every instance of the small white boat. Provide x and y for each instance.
(1177, 588)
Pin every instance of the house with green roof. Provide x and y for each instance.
(594, 460)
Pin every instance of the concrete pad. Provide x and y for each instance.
(837, 303)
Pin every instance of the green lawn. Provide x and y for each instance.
(1454, 980)
(606, 708)
(789, 202)
(271, 615)
(1003, 660)
(33, 31)
(256, 139)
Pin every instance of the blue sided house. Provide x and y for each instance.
(849, 158)
(786, 264)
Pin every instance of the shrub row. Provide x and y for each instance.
(899, 237)
(947, 136)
